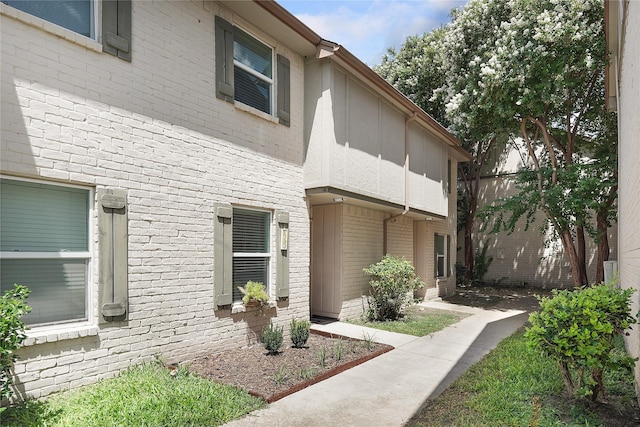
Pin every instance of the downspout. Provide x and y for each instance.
(385, 223)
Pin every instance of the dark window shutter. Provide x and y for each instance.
(224, 60)
(116, 28)
(223, 255)
(112, 254)
(284, 90)
(282, 258)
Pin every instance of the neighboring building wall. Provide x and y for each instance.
(153, 127)
(528, 257)
(629, 159)
(525, 257)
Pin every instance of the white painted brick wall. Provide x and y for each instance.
(629, 174)
(154, 128)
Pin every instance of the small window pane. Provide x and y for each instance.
(250, 231)
(43, 218)
(252, 91)
(74, 15)
(252, 53)
(251, 268)
(57, 287)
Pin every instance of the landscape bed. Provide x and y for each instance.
(272, 377)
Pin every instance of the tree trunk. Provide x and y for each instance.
(581, 252)
(570, 249)
(566, 378)
(469, 255)
(603, 244)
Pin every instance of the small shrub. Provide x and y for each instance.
(367, 341)
(338, 350)
(282, 375)
(578, 330)
(322, 357)
(272, 337)
(481, 263)
(12, 335)
(393, 281)
(300, 332)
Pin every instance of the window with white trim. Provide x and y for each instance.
(249, 72)
(75, 15)
(44, 245)
(81, 16)
(253, 71)
(251, 248)
(441, 257)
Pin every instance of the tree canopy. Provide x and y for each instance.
(532, 70)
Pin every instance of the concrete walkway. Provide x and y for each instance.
(390, 389)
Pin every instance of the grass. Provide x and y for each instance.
(418, 321)
(515, 386)
(145, 395)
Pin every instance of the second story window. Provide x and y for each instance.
(80, 16)
(247, 71)
(74, 15)
(253, 71)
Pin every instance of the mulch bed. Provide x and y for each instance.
(272, 377)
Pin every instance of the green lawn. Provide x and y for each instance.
(515, 386)
(418, 321)
(146, 395)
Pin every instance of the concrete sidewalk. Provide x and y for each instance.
(388, 390)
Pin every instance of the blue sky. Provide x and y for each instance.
(367, 28)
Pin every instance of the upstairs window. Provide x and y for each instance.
(80, 16)
(253, 71)
(74, 15)
(245, 72)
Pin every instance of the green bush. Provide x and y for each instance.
(393, 281)
(12, 308)
(578, 329)
(272, 337)
(300, 332)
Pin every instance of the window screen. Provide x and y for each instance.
(251, 248)
(74, 15)
(44, 245)
(253, 71)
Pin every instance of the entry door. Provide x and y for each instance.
(326, 261)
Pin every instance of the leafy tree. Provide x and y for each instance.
(535, 68)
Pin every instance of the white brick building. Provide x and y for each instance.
(622, 20)
(151, 165)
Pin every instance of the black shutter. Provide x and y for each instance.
(116, 28)
(224, 60)
(284, 91)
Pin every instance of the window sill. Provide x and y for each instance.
(54, 333)
(239, 307)
(254, 111)
(50, 28)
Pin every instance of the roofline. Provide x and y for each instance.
(365, 72)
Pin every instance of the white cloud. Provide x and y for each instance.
(368, 28)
